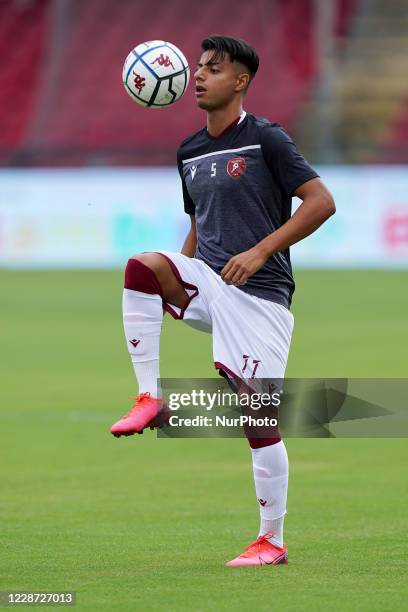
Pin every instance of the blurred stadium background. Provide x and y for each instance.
(332, 73)
(88, 178)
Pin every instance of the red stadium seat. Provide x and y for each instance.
(68, 102)
(23, 36)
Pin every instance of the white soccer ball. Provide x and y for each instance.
(155, 74)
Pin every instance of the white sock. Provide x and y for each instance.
(142, 321)
(271, 471)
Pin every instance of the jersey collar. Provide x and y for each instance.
(230, 127)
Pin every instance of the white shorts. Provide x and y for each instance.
(251, 336)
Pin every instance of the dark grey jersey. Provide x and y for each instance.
(239, 186)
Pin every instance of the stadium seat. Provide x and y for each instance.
(73, 106)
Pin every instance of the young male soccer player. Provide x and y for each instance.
(233, 276)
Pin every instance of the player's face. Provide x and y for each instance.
(218, 80)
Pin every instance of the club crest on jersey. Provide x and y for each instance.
(236, 167)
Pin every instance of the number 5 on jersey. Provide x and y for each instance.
(214, 169)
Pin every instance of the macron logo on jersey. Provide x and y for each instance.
(193, 170)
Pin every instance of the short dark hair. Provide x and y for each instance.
(237, 49)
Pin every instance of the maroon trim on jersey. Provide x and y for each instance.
(253, 442)
(139, 277)
(227, 129)
(167, 307)
(230, 126)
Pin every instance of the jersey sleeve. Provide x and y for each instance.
(189, 206)
(283, 159)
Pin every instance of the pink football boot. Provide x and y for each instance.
(147, 411)
(261, 552)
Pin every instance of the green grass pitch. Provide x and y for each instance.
(147, 524)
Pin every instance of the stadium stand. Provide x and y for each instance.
(23, 27)
(395, 150)
(75, 109)
(368, 89)
(62, 101)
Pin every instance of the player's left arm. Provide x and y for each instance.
(317, 206)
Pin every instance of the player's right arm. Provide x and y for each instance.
(190, 243)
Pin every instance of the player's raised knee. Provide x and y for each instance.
(140, 275)
(157, 263)
(154, 261)
(151, 273)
